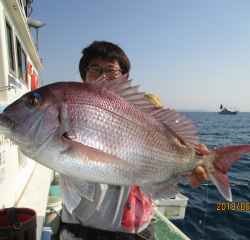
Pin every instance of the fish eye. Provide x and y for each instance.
(32, 101)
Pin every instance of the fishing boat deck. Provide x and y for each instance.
(164, 229)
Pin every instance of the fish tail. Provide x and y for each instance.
(216, 169)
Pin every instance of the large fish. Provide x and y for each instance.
(107, 132)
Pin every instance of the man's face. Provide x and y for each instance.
(100, 63)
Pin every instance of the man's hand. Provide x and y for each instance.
(199, 174)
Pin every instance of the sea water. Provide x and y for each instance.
(208, 214)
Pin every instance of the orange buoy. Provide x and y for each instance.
(29, 68)
(34, 81)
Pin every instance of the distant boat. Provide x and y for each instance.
(226, 111)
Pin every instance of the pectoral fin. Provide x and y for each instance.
(72, 190)
(94, 154)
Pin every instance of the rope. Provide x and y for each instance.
(231, 184)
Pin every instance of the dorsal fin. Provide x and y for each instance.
(182, 126)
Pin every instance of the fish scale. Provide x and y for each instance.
(109, 137)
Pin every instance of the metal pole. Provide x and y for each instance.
(37, 39)
(27, 8)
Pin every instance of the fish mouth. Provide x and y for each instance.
(6, 121)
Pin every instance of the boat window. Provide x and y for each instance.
(21, 62)
(18, 57)
(24, 66)
(9, 39)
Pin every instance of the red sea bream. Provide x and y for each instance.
(107, 132)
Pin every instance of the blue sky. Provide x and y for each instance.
(193, 54)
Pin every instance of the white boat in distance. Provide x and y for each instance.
(226, 111)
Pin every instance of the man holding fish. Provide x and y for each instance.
(113, 148)
(116, 212)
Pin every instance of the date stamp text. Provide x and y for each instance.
(233, 206)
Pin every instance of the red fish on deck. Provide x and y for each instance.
(137, 210)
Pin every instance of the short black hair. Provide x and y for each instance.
(105, 50)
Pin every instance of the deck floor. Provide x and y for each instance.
(163, 230)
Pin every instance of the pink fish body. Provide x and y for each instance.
(107, 132)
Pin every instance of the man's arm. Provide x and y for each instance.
(199, 174)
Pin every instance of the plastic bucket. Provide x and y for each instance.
(52, 219)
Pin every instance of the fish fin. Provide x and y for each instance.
(166, 190)
(218, 173)
(72, 190)
(105, 83)
(179, 124)
(94, 154)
